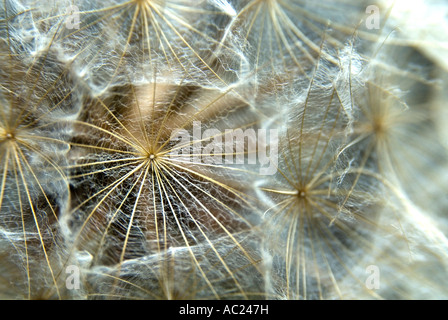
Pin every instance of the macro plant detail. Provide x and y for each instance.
(221, 149)
(128, 144)
(286, 35)
(331, 209)
(33, 149)
(149, 37)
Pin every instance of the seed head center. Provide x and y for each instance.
(142, 2)
(302, 194)
(6, 136)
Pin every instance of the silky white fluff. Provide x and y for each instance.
(90, 177)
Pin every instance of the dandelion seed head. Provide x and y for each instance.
(101, 169)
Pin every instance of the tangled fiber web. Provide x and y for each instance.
(223, 149)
